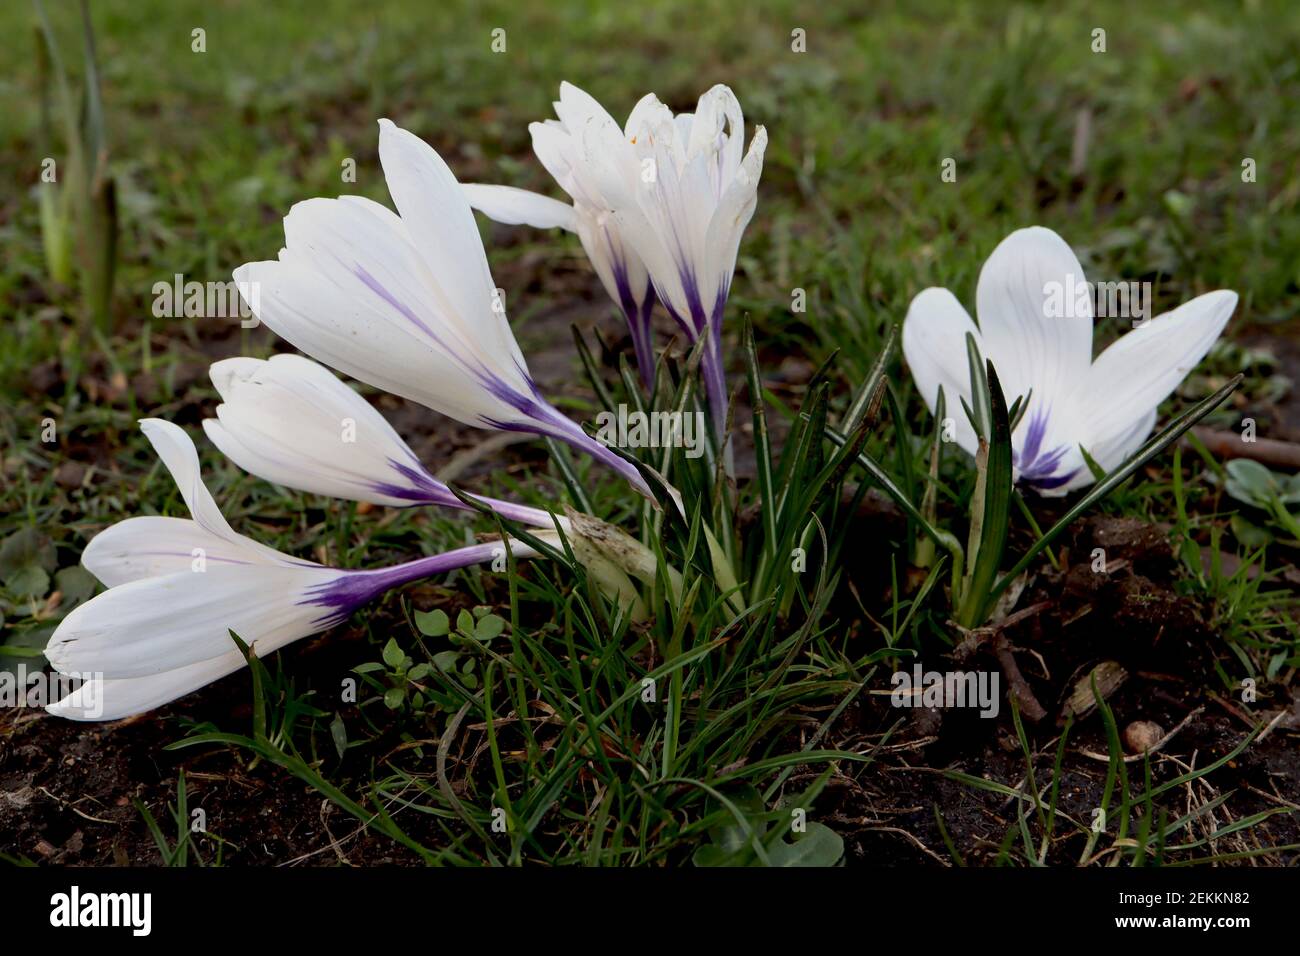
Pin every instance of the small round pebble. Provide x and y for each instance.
(1141, 735)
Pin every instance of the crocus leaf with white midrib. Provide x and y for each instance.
(177, 588)
(294, 423)
(406, 302)
(1041, 345)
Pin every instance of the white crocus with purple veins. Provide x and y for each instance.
(681, 190)
(294, 423)
(558, 147)
(1040, 342)
(406, 302)
(178, 586)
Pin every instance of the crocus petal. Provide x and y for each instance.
(1112, 453)
(182, 461)
(151, 546)
(733, 214)
(934, 343)
(1036, 339)
(437, 215)
(516, 207)
(153, 640)
(1142, 367)
(104, 699)
(718, 120)
(576, 107)
(351, 291)
(159, 624)
(291, 421)
(648, 113)
(556, 149)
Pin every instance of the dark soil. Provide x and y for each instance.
(1133, 616)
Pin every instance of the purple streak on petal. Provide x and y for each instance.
(1034, 438)
(535, 407)
(187, 554)
(555, 425)
(1038, 467)
(419, 488)
(715, 383)
(1046, 484)
(423, 489)
(645, 350)
(682, 324)
(475, 368)
(691, 288)
(343, 594)
(379, 289)
(714, 372)
(638, 317)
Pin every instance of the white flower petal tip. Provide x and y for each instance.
(1035, 311)
(515, 207)
(558, 146)
(681, 191)
(405, 302)
(100, 699)
(659, 204)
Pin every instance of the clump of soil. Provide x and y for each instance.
(1132, 619)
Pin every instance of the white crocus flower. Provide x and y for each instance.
(292, 422)
(681, 190)
(178, 586)
(406, 302)
(558, 147)
(1037, 332)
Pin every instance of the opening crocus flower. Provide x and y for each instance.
(406, 303)
(680, 190)
(292, 422)
(1039, 338)
(558, 147)
(178, 586)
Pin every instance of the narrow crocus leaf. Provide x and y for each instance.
(1170, 434)
(991, 507)
(930, 498)
(903, 452)
(867, 401)
(762, 442)
(592, 369)
(980, 413)
(890, 488)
